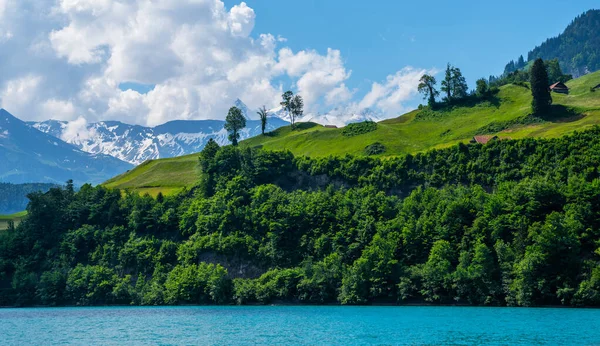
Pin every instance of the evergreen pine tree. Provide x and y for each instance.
(459, 84)
(447, 86)
(521, 63)
(542, 100)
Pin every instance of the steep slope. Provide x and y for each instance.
(28, 155)
(136, 144)
(505, 115)
(167, 176)
(577, 48)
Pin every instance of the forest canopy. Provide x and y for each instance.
(510, 223)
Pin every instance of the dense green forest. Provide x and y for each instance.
(13, 197)
(512, 223)
(575, 52)
(577, 48)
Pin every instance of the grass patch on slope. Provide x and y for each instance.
(168, 176)
(6, 219)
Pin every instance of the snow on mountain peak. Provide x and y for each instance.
(136, 144)
(245, 110)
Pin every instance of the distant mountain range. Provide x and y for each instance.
(136, 144)
(28, 155)
(13, 197)
(54, 151)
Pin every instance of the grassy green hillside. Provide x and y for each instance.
(16, 218)
(167, 176)
(506, 114)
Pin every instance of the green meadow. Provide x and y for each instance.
(505, 114)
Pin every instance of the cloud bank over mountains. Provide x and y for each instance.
(66, 59)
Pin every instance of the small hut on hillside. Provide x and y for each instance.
(483, 139)
(560, 88)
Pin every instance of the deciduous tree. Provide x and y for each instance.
(234, 122)
(427, 88)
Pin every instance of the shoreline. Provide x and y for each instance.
(304, 305)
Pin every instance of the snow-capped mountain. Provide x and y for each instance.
(136, 144)
(279, 112)
(249, 115)
(28, 155)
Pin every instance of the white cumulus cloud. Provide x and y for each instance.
(65, 59)
(391, 95)
(77, 131)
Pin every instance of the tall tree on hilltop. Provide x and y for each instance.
(286, 103)
(297, 109)
(447, 83)
(427, 88)
(234, 122)
(262, 113)
(521, 62)
(542, 100)
(459, 83)
(454, 84)
(482, 87)
(510, 67)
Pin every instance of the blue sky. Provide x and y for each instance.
(150, 62)
(377, 38)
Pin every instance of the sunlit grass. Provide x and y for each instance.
(410, 133)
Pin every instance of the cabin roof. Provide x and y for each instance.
(559, 85)
(483, 139)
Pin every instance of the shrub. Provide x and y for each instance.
(375, 149)
(198, 284)
(521, 84)
(356, 129)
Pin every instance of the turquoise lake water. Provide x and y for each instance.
(295, 325)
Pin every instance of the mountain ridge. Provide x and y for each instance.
(136, 144)
(29, 155)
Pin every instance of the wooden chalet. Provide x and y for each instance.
(560, 88)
